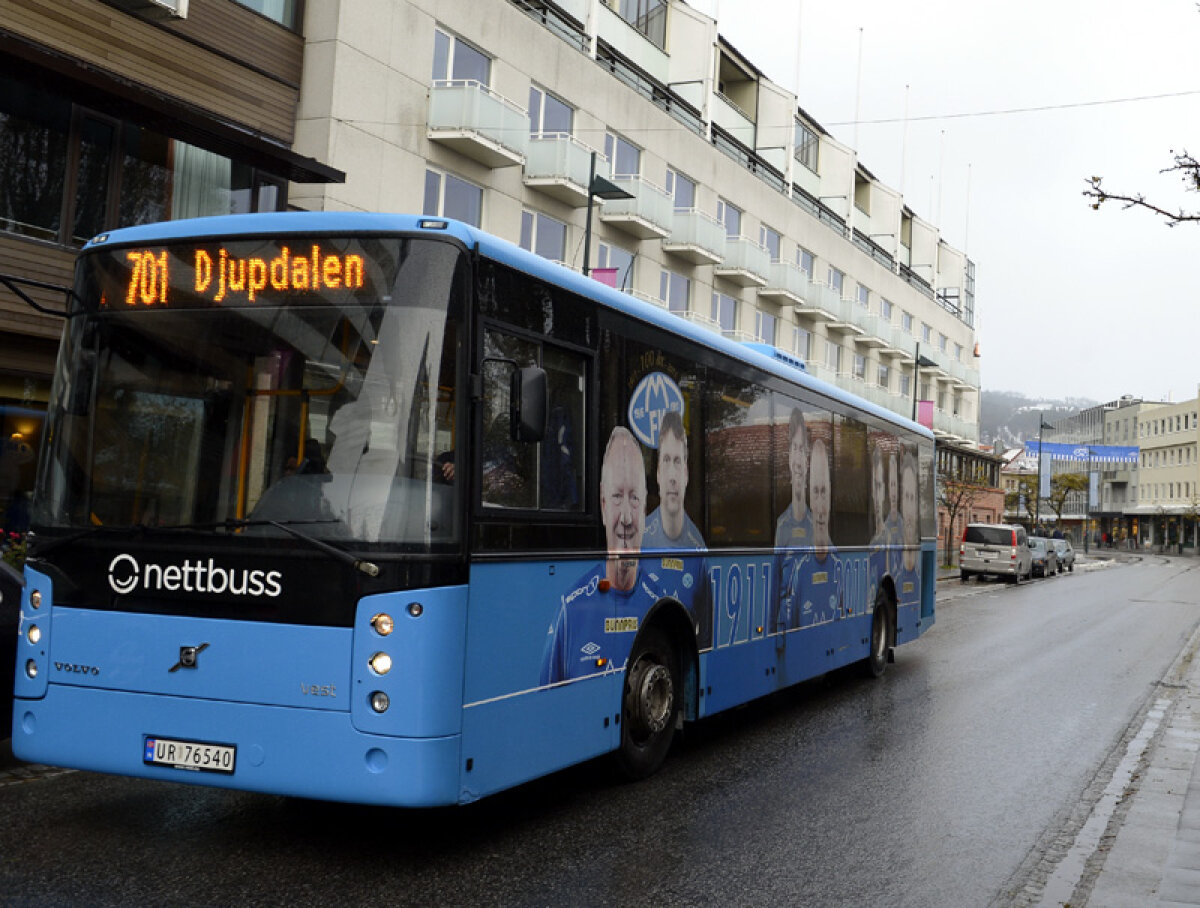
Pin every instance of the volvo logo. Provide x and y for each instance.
(187, 657)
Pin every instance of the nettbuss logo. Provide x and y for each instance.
(125, 575)
(654, 397)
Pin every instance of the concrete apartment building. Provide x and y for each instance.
(1168, 475)
(742, 213)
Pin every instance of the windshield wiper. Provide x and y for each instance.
(370, 568)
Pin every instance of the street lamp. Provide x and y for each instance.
(598, 188)
(919, 361)
(1037, 498)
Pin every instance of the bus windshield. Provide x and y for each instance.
(277, 381)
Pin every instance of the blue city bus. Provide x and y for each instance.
(384, 509)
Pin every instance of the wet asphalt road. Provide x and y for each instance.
(933, 786)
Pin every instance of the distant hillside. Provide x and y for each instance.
(1007, 418)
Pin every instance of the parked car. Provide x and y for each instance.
(1066, 554)
(1045, 559)
(995, 548)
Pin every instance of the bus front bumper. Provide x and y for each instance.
(304, 753)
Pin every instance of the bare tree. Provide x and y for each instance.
(1185, 165)
(1024, 497)
(1062, 485)
(957, 491)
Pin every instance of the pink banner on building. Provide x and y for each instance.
(925, 413)
(606, 276)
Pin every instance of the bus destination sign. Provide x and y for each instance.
(200, 276)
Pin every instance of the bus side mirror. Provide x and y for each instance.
(528, 401)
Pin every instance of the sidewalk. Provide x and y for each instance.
(1151, 848)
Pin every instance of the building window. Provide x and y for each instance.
(801, 342)
(883, 377)
(926, 333)
(805, 260)
(770, 240)
(675, 290)
(942, 342)
(864, 297)
(543, 235)
(731, 217)
(681, 189)
(806, 146)
(724, 311)
(455, 60)
(618, 258)
(448, 196)
(885, 310)
(906, 321)
(548, 115)
(833, 356)
(647, 16)
(70, 173)
(836, 280)
(624, 157)
(765, 326)
(281, 11)
(860, 367)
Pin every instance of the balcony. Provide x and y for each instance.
(787, 284)
(475, 121)
(845, 316)
(649, 298)
(743, 337)
(705, 321)
(648, 215)
(559, 164)
(821, 371)
(696, 237)
(746, 263)
(873, 329)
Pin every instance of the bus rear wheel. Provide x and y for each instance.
(649, 704)
(881, 637)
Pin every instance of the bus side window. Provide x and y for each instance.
(517, 474)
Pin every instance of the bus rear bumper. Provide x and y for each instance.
(279, 750)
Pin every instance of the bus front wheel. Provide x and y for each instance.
(649, 704)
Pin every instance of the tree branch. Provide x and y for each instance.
(1185, 165)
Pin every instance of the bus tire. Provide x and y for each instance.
(881, 637)
(650, 704)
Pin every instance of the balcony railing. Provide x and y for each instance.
(649, 214)
(472, 119)
(746, 263)
(697, 237)
(787, 283)
(558, 164)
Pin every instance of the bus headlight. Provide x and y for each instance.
(35, 598)
(381, 663)
(380, 701)
(34, 634)
(31, 669)
(383, 624)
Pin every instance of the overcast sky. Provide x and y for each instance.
(1069, 301)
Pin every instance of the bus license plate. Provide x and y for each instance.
(192, 755)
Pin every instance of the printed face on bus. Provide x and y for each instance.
(819, 495)
(672, 480)
(622, 504)
(893, 484)
(798, 460)
(878, 488)
(909, 509)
